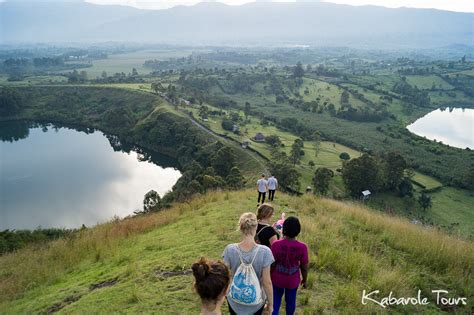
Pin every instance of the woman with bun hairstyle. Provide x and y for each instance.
(212, 280)
(259, 257)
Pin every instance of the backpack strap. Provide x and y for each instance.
(262, 229)
(256, 252)
(240, 254)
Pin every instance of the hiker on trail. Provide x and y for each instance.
(262, 187)
(291, 257)
(212, 279)
(279, 224)
(266, 234)
(272, 186)
(251, 287)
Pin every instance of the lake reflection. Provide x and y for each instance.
(66, 178)
(453, 126)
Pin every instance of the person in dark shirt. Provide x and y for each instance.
(266, 234)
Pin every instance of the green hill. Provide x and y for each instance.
(140, 264)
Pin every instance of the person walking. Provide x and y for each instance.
(291, 257)
(245, 296)
(262, 187)
(212, 279)
(266, 234)
(272, 186)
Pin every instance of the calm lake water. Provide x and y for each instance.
(453, 126)
(62, 177)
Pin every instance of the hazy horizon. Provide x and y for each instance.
(453, 5)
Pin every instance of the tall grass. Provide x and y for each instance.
(376, 251)
(351, 249)
(44, 264)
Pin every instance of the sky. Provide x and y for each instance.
(450, 5)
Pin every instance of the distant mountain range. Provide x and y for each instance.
(260, 23)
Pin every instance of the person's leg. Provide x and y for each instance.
(260, 311)
(290, 300)
(271, 193)
(231, 311)
(263, 197)
(259, 194)
(277, 295)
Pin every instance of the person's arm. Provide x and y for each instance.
(273, 239)
(268, 288)
(304, 275)
(304, 266)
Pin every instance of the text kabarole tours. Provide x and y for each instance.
(440, 298)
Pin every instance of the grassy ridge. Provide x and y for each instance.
(139, 264)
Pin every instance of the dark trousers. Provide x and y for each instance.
(261, 194)
(259, 312)
(271, 194)
(290, 300)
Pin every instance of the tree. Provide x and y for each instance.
(295, 154)
(223, 161)
(344, 97)
(211, 181)
(235, 117)
(360, 174)
(134, 72)
(321, 180)
(425, 201)
(247, 109)
(235, 178)
(83, 76)
(227, 124)
(469, 180)
(104, 75)
(203, 112)
(311, 164)
(298, 71)
(194, 187)
(344, 156)
(395, 166)
(299, 142)
(10, 101)
(156, 87)
(317, 143)
(405, 187)
(273, 140)
(280, 166)
(151, 201)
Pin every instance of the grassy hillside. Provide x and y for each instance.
(140, 264)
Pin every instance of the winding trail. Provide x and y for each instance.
(233, 143)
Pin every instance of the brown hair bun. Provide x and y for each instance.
(212, 278)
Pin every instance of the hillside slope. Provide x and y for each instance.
(139, 265)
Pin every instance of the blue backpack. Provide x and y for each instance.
(245, 288)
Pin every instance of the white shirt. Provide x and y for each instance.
(262, 185)
(272, 183)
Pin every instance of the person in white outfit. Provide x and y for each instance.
(262, 187)
(272, 186)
